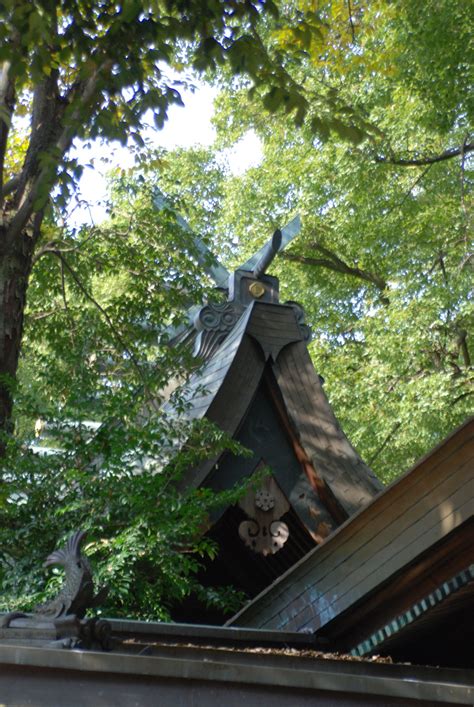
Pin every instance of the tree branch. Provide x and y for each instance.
(463, 347)
(7, 103)
(409, 191)
(45, 124)
(462, 189)
(387, 439)
(42, 315)
(351, 21)
(54, 247)
(31, 189)
(96, 304)
(333, 262)
(59, 148)
(463, 396)
(10, 186)
(63, 284)
(423, 161)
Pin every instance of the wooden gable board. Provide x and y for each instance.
(332, 455)
(204, 385)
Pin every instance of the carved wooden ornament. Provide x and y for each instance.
(264, 533)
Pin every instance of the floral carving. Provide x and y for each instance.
(264, 532)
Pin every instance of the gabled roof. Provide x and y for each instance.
(257, 384)
(267, 346)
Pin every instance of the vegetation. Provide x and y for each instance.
(364, 114)
(91, 450)
(92, 69)
(384, 263)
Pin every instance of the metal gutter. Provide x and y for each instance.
(217, 635)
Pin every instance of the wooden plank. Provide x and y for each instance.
(323, 612)
(237, 385)
(449, 490)
(295, 398)
(238, 388)
(210, 377)
(296, 359)
(316, 483)
(437, 564)
(380, 535)
(410, 486)
(460, 584)
(390, 507)
(228, 416)
(385, 564)
(334, 458)
(328, 604)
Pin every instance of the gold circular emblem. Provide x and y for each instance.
(257, 289)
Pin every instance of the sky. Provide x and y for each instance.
(186, 126)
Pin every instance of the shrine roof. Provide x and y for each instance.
(384, 561)
(268, 344)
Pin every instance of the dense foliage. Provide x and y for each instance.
(92, 449)
(365, 130)
(93, 69)
(384, 264)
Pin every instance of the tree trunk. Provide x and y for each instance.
(15, 266)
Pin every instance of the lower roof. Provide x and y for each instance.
(204, 666)
(439, 628)
(431, 502)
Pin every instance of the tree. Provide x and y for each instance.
(89, 70)
(92, 449)
(379, 169)
(92, 69)
(86, 70)
(383, 265)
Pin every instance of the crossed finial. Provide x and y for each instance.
(257, 264)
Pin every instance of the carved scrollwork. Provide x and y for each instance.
(217, 317)
(264, 532)
(265, 539)
(214, 322)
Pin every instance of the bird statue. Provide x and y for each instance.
(77, 592)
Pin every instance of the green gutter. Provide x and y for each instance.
(414, 613)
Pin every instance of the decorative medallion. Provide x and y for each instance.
(256, 289)
(264, 500)
(264, 532)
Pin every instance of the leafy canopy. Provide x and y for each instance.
(379, 169)
(383, 266)
(92, 448)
